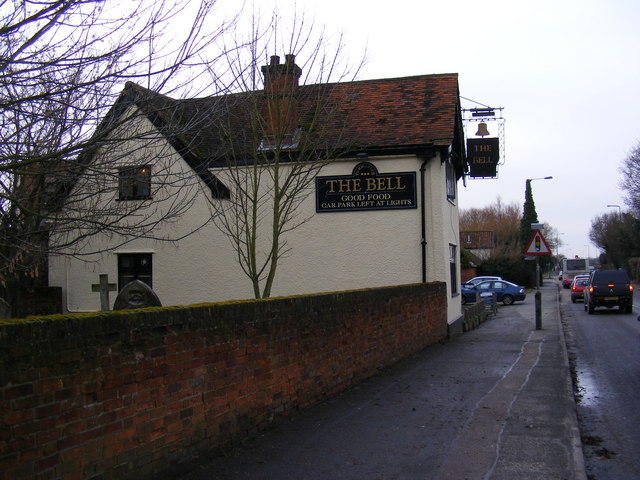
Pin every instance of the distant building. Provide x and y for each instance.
(480, 243)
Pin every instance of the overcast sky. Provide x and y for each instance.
(566, 72)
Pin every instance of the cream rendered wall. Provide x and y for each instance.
(346, 250)
(330, 251)
(442, 230)
(192, 263)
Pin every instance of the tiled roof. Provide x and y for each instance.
(388, 113)
(408, 111)
(396, 115)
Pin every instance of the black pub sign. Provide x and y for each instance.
(366, 189)
(483, 155)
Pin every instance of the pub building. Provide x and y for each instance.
(382, 210)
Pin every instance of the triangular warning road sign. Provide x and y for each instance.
(538, 245)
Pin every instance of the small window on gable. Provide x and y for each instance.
(451, 181)
(134, 183)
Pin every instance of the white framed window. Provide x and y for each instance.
(451, 181)
(135, 266)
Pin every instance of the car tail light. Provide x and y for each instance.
(590, 289)
(610, 285)
(630, 288)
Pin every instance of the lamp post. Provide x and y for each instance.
(529, 180)
(558, 245)
(618, 207)
(539, 178)
(531, 216)
(558, 262)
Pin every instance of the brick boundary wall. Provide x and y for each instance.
(38, 301)
(139, 394)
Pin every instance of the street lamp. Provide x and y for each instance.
(528, 216)
(558, 247)
(528, 197)
(618, 207)
(539, 178)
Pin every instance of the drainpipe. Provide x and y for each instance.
(423, 221)
(426, 156)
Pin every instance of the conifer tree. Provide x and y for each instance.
(529, 216)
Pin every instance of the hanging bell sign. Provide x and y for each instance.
(483, 131)
(483, 155)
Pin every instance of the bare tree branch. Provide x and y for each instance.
(63, 65)
(275, 139)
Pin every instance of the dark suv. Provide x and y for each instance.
(609, 288)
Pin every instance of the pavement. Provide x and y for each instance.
(493, 403)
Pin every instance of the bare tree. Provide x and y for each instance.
(506, 256)
(501, 218)
(279, 130)
(630, 170)
(62, 67)
(616, 234)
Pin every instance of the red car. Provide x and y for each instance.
(567, 279)
(577, 287)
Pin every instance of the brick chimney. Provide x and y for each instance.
(281, 106)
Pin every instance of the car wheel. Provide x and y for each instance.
(507, 300)
(464, 300)
(590, 309)
(573, 300)
(628, 309)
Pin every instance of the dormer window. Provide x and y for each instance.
(287, 142)
(134, 183)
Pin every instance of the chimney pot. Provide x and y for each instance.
(280, 86)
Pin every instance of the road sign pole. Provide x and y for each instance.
(538, 297)
(538, 246)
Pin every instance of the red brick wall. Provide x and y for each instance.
(133, 394)
(467, 274)
(33, 300)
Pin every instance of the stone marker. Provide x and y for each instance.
(104, 287)
(136, 294)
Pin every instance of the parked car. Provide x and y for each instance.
(477, 280)
(609, 288)
(468, 293)
(506, 292)
(577, 287)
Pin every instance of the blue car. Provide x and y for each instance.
(506, 292)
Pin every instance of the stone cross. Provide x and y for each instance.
(104, 287)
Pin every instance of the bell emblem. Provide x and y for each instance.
(482, 130)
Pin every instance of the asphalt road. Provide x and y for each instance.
(605, 347)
